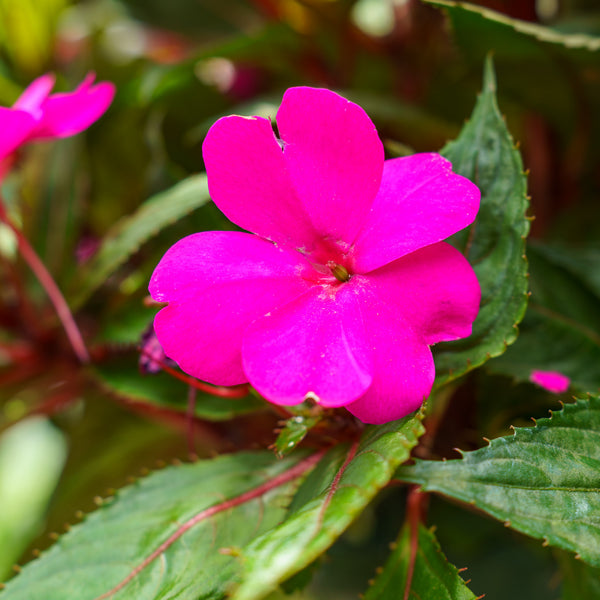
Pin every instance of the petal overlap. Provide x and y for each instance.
(403, 369)
(314, 346)
(248, 181)
(334, 158)
(434, 289)
(420, 202)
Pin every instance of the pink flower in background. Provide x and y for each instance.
(550, 380)
(344, 282)
(37, 114)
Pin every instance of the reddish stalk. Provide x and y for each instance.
(415, 513)
(47, 282)
(295, 472)
(239, 391)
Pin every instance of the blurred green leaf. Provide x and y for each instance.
(330, 498)
(564, 67)
(433, 576)
(542, 481)
(188, 526)
(32, 455)
(495, 244)
(580, 581)
(121, 376)
(561, 330)
(126, 236)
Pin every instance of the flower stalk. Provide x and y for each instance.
(46, 280)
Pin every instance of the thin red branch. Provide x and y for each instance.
(47, 282)
(293, 473)
(336, 481)
(239, 391)
(415, 514)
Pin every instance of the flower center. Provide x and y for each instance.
(339, 272)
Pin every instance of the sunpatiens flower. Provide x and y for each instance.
(553, 381)
(344, 282)
(37, 114)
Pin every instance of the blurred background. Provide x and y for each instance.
(69, 433)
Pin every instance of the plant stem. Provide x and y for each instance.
(47, 282)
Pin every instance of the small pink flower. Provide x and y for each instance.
(37, 114)
(343, 284)
(550, 380)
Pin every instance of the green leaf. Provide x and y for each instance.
(293, 432)
(542, 481)
(433, 575)
(121, 376)
(98, 554)
(128, 235)
(32, 455)
(198, 530)
(495, 244)
(332, 496)
(561, 331)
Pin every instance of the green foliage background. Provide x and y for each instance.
(511, 98)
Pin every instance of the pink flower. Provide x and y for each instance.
(343, 284)
(37, 114)
(553, 381)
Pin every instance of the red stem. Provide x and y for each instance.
(238, 391)
(47, 282)
(415, 514)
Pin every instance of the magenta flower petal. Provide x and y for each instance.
(403, 366)
(334, 159)
(15, 125)
(217, 284)
(204, 333)
(553, 381)
(314, 346)
(420, 202)
(211, 257)
(35, 94)
(70, 113)
(434, 289)
(248, 181)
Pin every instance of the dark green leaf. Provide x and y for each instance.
(495, 244)
(122, 377)
(132, 231)
(433, 575)
(561, 331)
(543, 481)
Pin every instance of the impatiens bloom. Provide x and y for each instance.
(552, 381)
(344, 282)
(37, 114)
